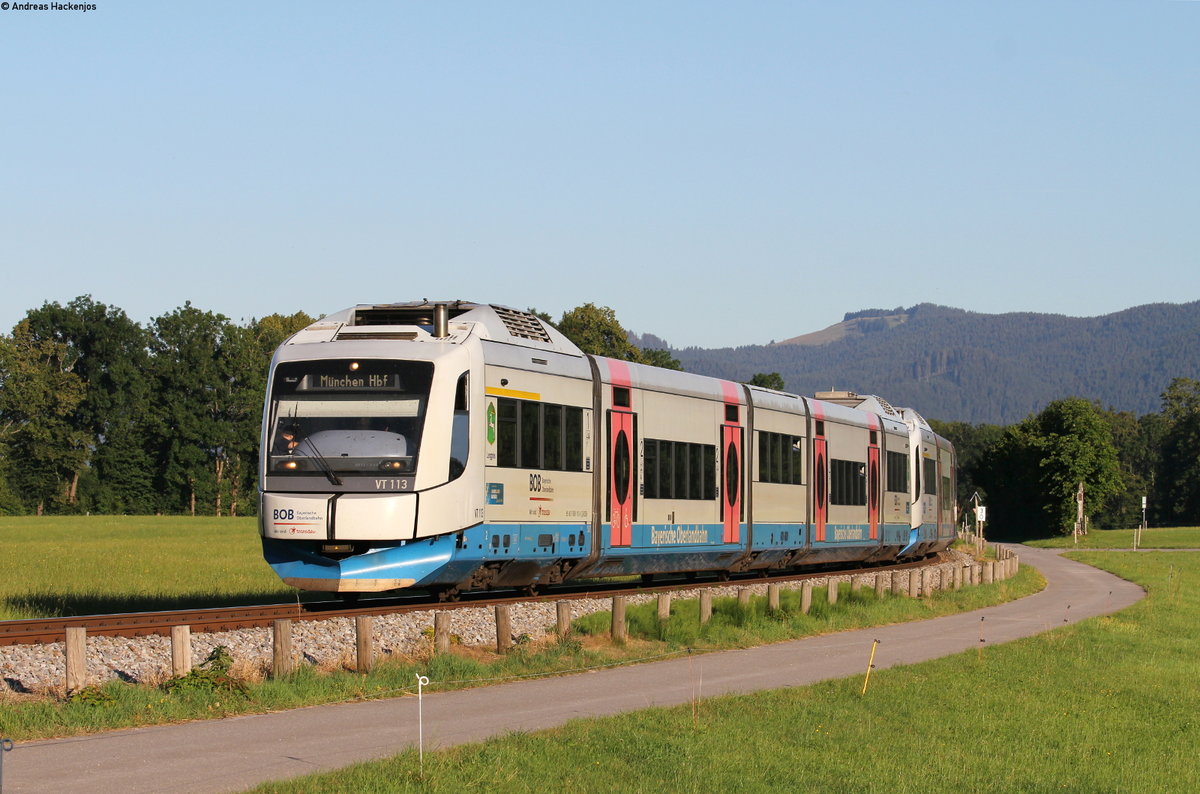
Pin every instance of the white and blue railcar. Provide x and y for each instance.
(453, 446)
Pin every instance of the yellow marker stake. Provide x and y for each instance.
(870, 666)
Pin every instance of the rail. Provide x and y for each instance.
(141, 624)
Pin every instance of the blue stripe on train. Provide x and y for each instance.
(447, 559)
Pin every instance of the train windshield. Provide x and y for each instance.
(348, 417)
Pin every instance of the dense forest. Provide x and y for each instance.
(100, 414)
(969, 367)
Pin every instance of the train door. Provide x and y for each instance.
(731, 501)
(820, 483)
(949, 516)
(621, 475)
(873, 486)
(937, 498)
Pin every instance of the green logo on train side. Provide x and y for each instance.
(491, 424)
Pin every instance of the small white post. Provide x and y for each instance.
(422, 682)
(1137, 533)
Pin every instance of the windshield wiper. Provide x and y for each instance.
(326, 469)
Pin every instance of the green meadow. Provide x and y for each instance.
(1159, 538)
(1109, 704)
(81, 565)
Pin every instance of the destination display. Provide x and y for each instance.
(350, 378)
(375, 381)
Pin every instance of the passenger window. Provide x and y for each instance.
(460, 439)
(531, 431)
(930, 476)
(509, 432)
(552, 437)
(534, 435)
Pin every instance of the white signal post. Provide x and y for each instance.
(1137, 533)
(1079, 519)
(980, 514)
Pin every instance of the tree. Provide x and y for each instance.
(10, 501)
(772, 380)
(1181, 400)
(595, 330)
(1179, 467)
(192, 414)
(1008, 477)
(543, 316)
(1076, 448)
(1138, 442)
(660, 357)
(1036, 468)
(108, 352)
(38, 396)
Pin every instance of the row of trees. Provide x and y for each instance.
(1029, 473)
(101, 414)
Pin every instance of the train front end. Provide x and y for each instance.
(366, 473)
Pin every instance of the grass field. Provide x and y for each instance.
(1165, 538)
(80, 565)
(1108, 704)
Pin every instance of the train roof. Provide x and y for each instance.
(874, 404)
(673, 381)
(414, 321)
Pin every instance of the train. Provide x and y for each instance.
(451, 446)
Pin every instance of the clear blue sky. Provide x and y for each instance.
(718, 173)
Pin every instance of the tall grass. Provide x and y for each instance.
(78, 565)
(1107, 704)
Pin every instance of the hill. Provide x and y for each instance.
(956, 365)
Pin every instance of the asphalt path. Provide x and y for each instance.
(236, 753)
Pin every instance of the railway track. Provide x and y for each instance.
(141, 624)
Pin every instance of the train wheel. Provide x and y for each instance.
(449, 594)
